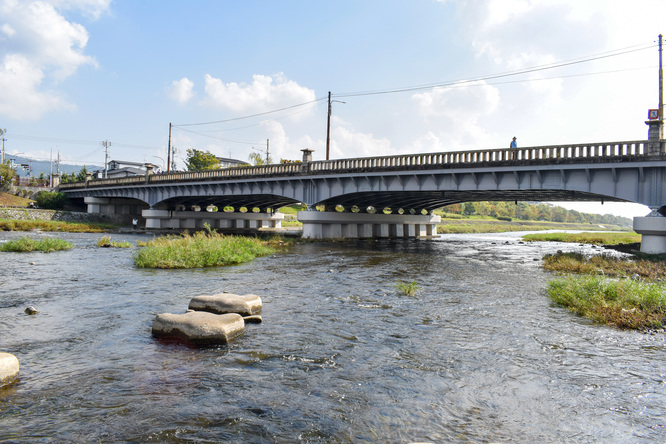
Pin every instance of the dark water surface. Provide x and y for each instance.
(478, 355)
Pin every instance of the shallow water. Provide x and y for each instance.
(478, 355)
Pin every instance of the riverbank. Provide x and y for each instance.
(488, 225)
(111, 222)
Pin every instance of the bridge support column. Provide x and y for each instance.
(331, 225)
(115, 205)
(652, 229)
(196, 220)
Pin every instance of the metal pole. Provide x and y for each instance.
(328, 126)
(661, 83)
(169, 151)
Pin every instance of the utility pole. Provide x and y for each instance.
(106, 144)
(328, 127)
(328, 124)
(661, 85)
(267, 152)
(2, 133)
(169, 151)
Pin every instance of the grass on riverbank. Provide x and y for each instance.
(605, 264)
(625, 303)
(585, 238)
(11, 200)
(53, 225)
(627, 292)
(201, 249)
(498, 226)
(26, 244)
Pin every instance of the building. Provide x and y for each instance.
(121, 168)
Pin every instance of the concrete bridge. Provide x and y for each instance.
(391, 196)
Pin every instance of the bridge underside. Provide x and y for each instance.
(262, 201)
(432, 200)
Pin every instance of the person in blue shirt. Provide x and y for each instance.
(514, 144)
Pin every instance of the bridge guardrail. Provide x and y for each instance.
(585, 151)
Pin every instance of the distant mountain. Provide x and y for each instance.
(38, 167)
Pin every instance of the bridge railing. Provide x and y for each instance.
(606, 150)
(560, 153)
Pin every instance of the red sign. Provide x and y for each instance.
(653, 114)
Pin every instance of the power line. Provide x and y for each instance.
(497, 76)
(253, 115)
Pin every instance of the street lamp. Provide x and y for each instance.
(328, 124)
(162, 165)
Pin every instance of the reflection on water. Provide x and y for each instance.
(478, 355)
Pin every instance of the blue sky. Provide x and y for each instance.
(77, 72)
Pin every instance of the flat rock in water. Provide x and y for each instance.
(199, 327)
(9, 368)
(244, 305)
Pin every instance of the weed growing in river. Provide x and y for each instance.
(407, 288)
(200, 249)
(26, 244)
(106, 242)
(625, 303)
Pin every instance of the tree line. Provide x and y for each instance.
(534, 211)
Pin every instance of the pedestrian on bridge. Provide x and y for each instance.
(513, 147)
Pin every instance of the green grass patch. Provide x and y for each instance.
(52, 225)
(26, 244)
(407, 288)
(106, 242)
(625, 303)
(202, 249)
(601, 238)
(650, 268)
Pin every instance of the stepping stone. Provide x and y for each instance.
(199, 327)
(244, 305)
(9, 368)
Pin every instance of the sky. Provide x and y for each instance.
(405, 76)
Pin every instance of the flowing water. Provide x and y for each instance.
(477, 355)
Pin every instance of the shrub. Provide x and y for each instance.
(50, 200)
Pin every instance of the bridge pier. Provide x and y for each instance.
(195, 220)
(332, 225)
(105, 205)
(652, 229)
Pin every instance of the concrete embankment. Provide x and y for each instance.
(60, 215)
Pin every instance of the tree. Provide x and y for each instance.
(198, 160)
(50, 200)
(7, 173)
(257, 160)
(83, 172)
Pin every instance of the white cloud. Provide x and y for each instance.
(181, 90)
(263, 94)
(21, 99)
(346, 143)
(90, 8)
(40, 46)
(459, 114)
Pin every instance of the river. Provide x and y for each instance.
(479, 354)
